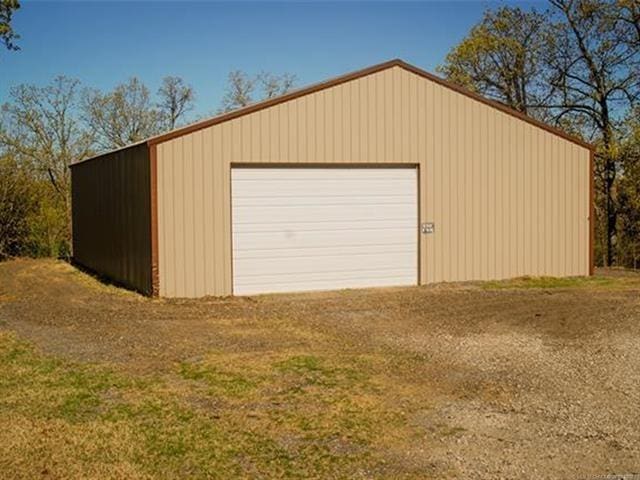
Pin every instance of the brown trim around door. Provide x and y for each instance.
(155, 272)
(415, 166)
(322, 165)
(419, 225)
(231, 290)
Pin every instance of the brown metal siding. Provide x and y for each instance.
(111, 201)
(508, 198)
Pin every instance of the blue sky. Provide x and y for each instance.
(104, 43)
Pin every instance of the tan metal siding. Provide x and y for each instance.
(111, 216)
(508, 198)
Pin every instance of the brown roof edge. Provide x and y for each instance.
(273, 101)
(108, 152)
(352, 76)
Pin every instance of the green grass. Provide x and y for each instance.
(220, 381)
(564, 282)
(310, 369)
(225, 416)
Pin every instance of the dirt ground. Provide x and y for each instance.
(483, 381)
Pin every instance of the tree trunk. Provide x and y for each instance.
(610, 210)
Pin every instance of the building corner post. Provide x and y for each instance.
(592, 212)
(153, 173)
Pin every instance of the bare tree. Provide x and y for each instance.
(243, 89)
(576, 65)
(123, 116)
(240, 91)
(275, 85)
(41, 130)
(7, 35)
(176, 99)
(596, 79)
(628, 13)
(501, 58)
(40, 126)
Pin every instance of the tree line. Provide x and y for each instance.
(43, 129)
(575, 65)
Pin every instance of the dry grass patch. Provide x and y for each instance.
(290, 414)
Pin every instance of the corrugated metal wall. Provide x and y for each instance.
(507, 198)
(111, 216)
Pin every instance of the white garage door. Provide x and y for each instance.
(298, 229)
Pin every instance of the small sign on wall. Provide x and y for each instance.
(428, 227)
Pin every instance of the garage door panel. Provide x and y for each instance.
(324, 213)
(321, 238)
(322, 250)
(314, 229)
(310, 226)
(321, 188)
(319, 199)
(326, 264)
(323, 281)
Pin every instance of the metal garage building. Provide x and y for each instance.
(385, 176)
